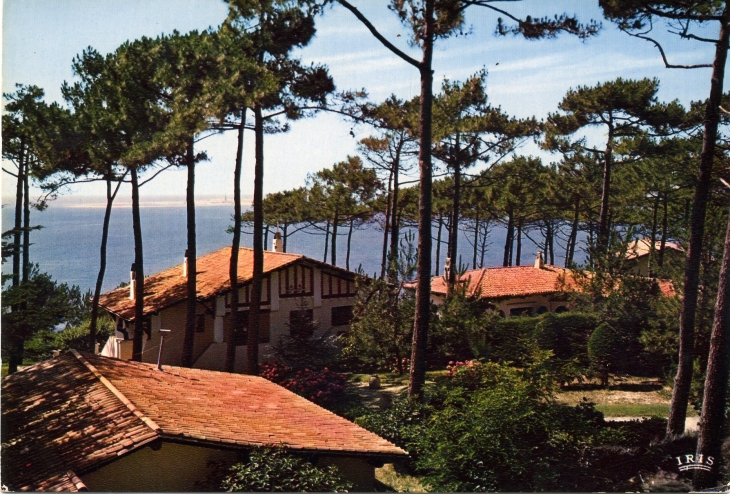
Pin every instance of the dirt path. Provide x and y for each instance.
(691, 424)
(377, 397)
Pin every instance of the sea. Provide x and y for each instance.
(67, 245)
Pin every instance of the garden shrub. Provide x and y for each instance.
(510, 339)
(566, 335)
(605, 347)
(276, 470)
(400, 423)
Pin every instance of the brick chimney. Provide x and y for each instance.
(185, 264)
(132, 282)
(539, 263)
(277, 245)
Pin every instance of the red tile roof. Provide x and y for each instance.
(59, 418)
(514, 281)
(67, 415)
(169, 287)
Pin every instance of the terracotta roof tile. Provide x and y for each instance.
(169, 287)
(60, 417)
(219, 407)
(71, 413)
(514, 281)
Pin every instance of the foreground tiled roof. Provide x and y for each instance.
(642, 247)
(60, 419)
(69, 414)
(514, 281)
(169, 287)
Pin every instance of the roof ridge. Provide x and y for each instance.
(132, 408)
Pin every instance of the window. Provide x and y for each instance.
(341, 316)
(241, 335)
(542, 310)
(561, 309)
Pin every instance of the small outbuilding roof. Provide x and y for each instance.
(642, 247)
(70, 414)
(169, 287)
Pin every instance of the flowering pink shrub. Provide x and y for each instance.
(325, 388)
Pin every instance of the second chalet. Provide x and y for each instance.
(292, 284)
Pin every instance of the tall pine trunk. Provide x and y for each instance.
(18, 226)
(652, 247)
(110, 196)
(334, 238)
(660, 257)
(507, 260)
(518, 254)
(716, 380)
(394, 219)
(26, 226)
(572, 240)
(138, 271)
(192, 289)
(423, 285)
(230, 336)
(326, 240)
(683, 379)
(438, 244)
(476, 240)
(386, 228)
(254, 314)
(349, 241)
(603, 219)
(454, 231)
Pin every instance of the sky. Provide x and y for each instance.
(525, 78)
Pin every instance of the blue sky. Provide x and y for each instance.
(525, 78)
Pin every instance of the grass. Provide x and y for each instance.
(393, 378)
(400, 482)
(639, 410)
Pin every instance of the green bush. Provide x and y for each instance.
(605, 349)
(510, 339)
(566, 336)
(275, 470)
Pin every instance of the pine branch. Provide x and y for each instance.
(664, 56)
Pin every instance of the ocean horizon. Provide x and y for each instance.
(67, 245)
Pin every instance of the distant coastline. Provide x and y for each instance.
(94, 202)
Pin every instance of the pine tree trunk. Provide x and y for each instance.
(423, 287)
(386, 228)
(18, 226)
(326, 241)
(716, 381)
(254, 313)
(683, 379)
(476, 240)
(454, 231)
(230, 336)
(192, 291)
(394, 226)
(26, 226)
(110, 196)
(652, 249)
(573, 235)
(349, 242)
(284, 236)
(518, 254)
(334, 239)
(438, 245)
(507, 261)
(660, 258)
(138, 272)
(603, 219)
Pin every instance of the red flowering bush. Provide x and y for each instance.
(324, 387)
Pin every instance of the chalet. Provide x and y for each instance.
(523, 290)
(514, 290)
(292, 283)
(86, 422)
(639, 259)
